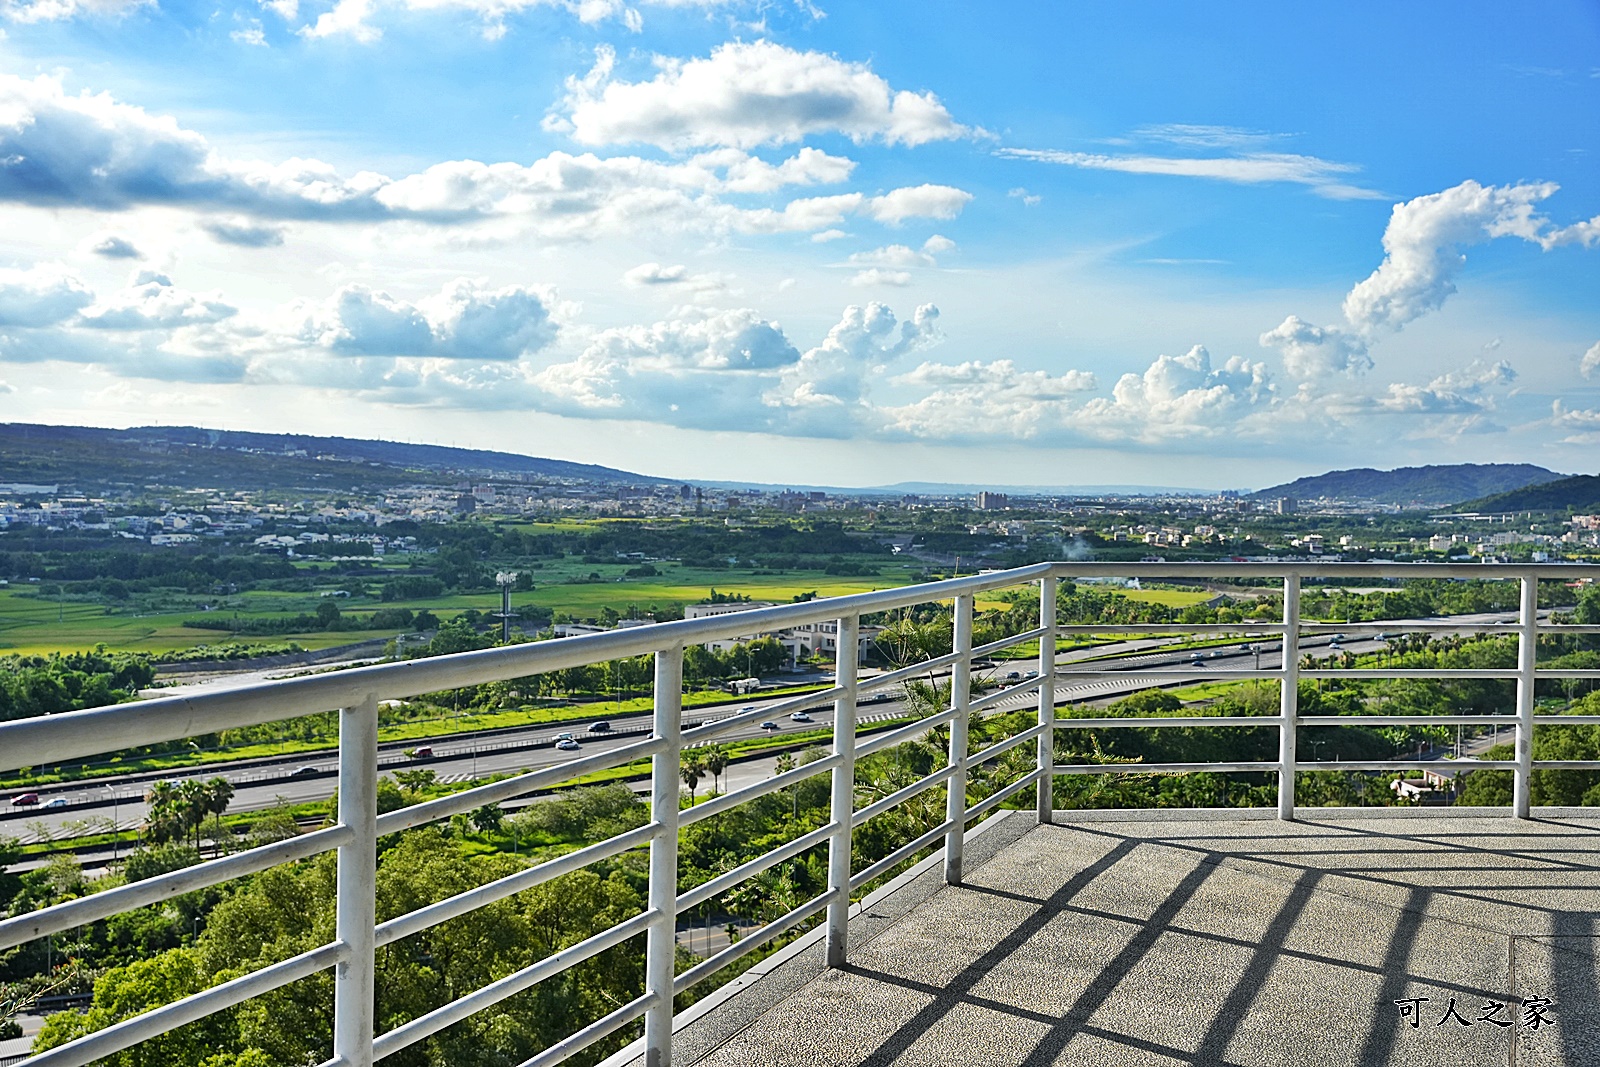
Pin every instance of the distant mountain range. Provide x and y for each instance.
(187, 456)
(1433, 486)
(1580, 493)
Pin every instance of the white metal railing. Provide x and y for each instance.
(354, 1042)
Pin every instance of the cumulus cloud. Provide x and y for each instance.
(1581, 425)
(352, 18)
(243, 232)
(41, 296)
(1461, 392)
(463, 321)
(1316, 351)
(151, 301)
(1180, 396)
(1020, 193)
(980, 400)
(860, 347)
(1591, 361)
(111, 246)
(1422, 248)
(747, 95)
(92, 151)
(904, 255)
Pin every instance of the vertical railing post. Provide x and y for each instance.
(1047, 699)
(1527, 660)
(355, 921)
(843, 803)
(1289, 696)
(661, 950)
(960, 697)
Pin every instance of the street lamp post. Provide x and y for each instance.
(505, 580)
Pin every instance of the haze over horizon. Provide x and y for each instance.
(1025, 244)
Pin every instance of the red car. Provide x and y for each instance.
(25, 800)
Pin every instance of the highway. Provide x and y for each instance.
(93, 807)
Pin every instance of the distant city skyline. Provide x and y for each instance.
(750, 240)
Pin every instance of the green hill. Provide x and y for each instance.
(1580, 493)
(94, 458)
(1431, 486)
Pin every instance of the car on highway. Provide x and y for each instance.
(769, 725)
(799, 716)
(567, 744)
(1013, 676)
(307, 771)
(25, 800)
(601, 727)
(425, 752)
(57, 802)
(565, 737)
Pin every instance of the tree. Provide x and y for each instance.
(716, 762)
(691, 768)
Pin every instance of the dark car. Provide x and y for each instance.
(306, 772)
(601, 727)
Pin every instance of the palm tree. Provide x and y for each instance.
(716, 763)
(690, 770)
(783, 765)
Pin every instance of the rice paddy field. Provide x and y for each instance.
(34, 623)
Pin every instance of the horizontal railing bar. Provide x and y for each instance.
(50, 739)
(495, 792)
(803, 702)
(1562, 672)
(1568, 628)
(1323, 627)
(1163, 768)
(1007, 642)
(728, 879)
(1167, 720)
(1020, 738)
(1407, 720)
(899, 855)
(427, 1025)
(23, 928)
(1244, 630)
(901, 734)
(989, 700)
(901, 795)
(1379, 766)
(1562, 764)
(602, 1027)
(1001, 796)
(718, 805)
(900, 674)
(1445, 673)
(1567, 720)
(157, 1021)
(1401, 571)
(470, 900)
(749, 943)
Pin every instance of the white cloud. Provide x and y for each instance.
(647, 275)
(57, 10)
(288, 10)
(252, 34)
(352, 17)
(1028, 199)
(1591, 361)
(92, 151)
(748, 95)
(1464, 392)
(828, 235)
(1581, 425)
(1422, 248)
(243, 232)
(152, 302)
(1316, 351)
(463, 321)
(1323, 177)
(878, 276)
(977, 400)
(901, 256)
(111, 246)
(860, 347)
(1181, 396)
(347, 18)
(41, 296)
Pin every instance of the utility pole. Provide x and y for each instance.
(505, 580)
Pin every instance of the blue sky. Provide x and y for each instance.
(1018, 243)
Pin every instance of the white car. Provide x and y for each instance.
(800, 716)
(567, 744)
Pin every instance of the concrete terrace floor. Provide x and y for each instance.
(1214, 937)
